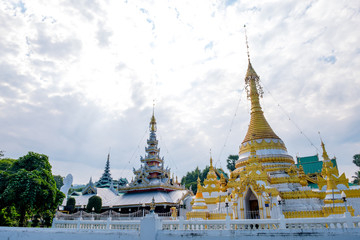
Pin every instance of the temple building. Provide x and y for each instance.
(153, 184)
(267, 183)
(153, 180)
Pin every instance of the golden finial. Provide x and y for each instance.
(211, 161)
(153, 120)
(198, 185)
(247, 44)
(324, 155)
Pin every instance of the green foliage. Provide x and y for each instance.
(6, 163)
(70, 204)
(35, 221)
(1, 154)
(356, 178)
(190, 179)
(47, 217)
(231, 160)
(8, 216)
(94, 202)
(59, 180)
(356, 161)
(29, 186)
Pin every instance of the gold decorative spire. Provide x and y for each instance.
(259, 128)
(324, 155)
(153, 121)
(198, 185)
(211, 162)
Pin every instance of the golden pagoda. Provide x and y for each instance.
(266, 182)
(270, 149)
(199, 207)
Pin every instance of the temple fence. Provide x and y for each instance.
(335, 222)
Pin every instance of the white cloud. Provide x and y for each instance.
(78, 77)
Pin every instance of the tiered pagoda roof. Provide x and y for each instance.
(106, 179)
(152, 175)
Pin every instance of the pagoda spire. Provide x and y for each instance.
(211, 162)
(152, 125)
(259, 128)
(152, 174)
(106, 179)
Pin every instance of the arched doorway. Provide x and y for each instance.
(251, 205)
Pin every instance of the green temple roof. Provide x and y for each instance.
(312, 164)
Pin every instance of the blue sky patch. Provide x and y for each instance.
(230, 2)
(329, 59)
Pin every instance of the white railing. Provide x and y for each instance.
(97, 224)
(345, 221)
(102, 216)
(338, 222)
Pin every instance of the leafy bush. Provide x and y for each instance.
(94, 202)
(70, 204)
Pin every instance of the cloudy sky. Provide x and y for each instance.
(79, 77)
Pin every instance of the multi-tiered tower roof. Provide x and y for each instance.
(152, 175)
(106, 179)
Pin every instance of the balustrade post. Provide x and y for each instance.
(78, 223)
(282, 224)
(227, 222)
(349, 220)
(181, 223)
(108, 221)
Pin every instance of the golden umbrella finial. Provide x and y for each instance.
(247, 44)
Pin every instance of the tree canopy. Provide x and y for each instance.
(6, 163)
(190, 179)
(30, 188)
(356, 161)
(59, 180)
(231, 160)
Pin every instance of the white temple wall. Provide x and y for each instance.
(355, 203)
(302, 204)
(73, 234)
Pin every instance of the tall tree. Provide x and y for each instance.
(59, 180)
(30, 187)
(356, 161)
(231, 160)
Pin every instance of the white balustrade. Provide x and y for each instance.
(338, 222)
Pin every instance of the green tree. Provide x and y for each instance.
(1, 154)
(94, 202)
(190, 179)
(8, 216)
(30, 187)
(59, 180)
(70, 204)
(6, 163)
(356, 161)
(231, 160)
